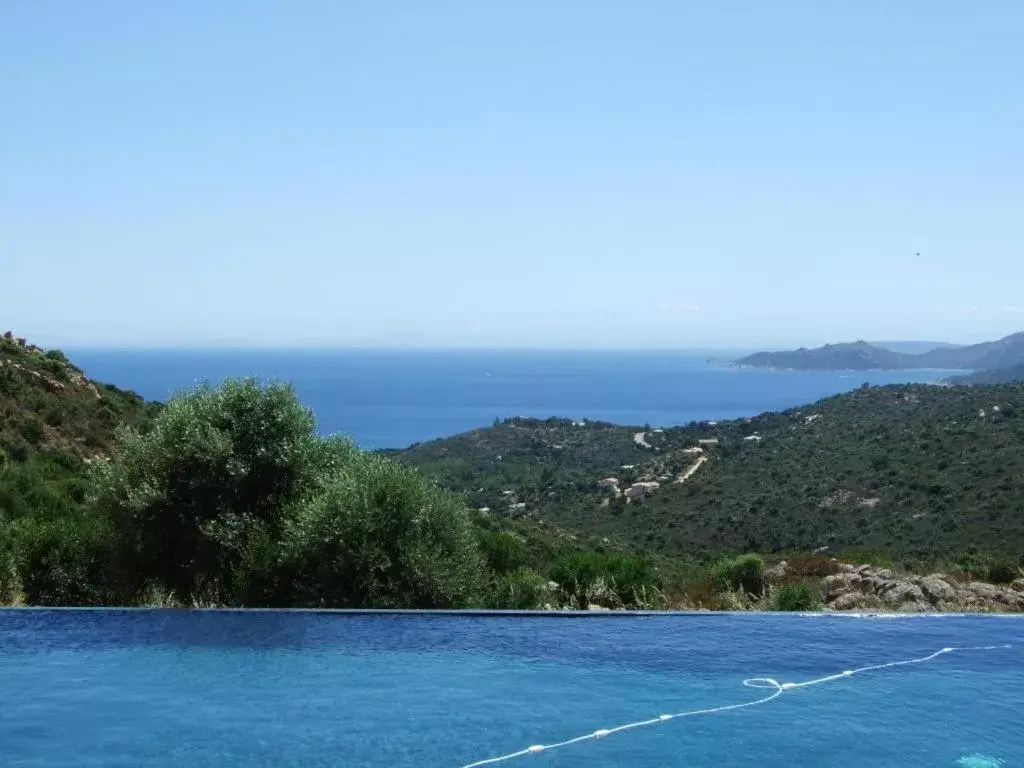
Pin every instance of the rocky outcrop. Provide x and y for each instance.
(638, 491)
(866, 588)
(936, 590)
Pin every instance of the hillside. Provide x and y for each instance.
(990, 354)
(916, 470)
(994, 376)
(913, 347)
(861, 356)
(855, 356)
(53, 420)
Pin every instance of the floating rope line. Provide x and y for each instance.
(777, 689)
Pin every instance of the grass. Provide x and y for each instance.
(802, 596)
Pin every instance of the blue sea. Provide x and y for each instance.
(221, 689)
(391, 399)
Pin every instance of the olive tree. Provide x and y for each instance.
(382, 535)
(216, 471)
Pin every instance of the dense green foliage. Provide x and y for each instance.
(630, 579)
(378, 535)
(913, 471)
(53, 421)
(803, 596)
(521, 589)
(227, 496)
(985, 566)
(213, 476)
(744, 573)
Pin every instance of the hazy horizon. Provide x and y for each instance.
(653, 175)
(241, 346)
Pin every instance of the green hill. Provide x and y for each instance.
(917, 470)
(855, 356)
(861, 355)
(53, 421)
(914, 347)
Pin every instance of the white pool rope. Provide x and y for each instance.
(776, 687)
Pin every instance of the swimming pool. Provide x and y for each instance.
(304, 689)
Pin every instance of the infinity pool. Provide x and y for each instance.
(157, 689)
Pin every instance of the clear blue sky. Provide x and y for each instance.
(529, 173)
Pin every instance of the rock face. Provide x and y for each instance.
(858, 588)
(936, 590)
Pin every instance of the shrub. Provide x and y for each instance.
(796, 597)
(744, 573)
(10, 583)
(64, 561)
(627, 576)
(217, 467)
(521, 589)
(998, 569)
(381, 535)
(503, 552)
(1001, 571)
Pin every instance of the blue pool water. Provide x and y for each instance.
(155, 689)
(388, 399)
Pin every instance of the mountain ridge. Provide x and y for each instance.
(862, 355)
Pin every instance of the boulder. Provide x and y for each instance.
(983, 590)
(979, 595)
(837, 584)
(855, 601)
(1018, 584)
(902, 592)
(1010, 598)
(880, 585)
(847, 602)
(935, 589)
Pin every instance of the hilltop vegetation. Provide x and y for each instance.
(227, 496)
(862, 356)
(53, 421)
(918, 471)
